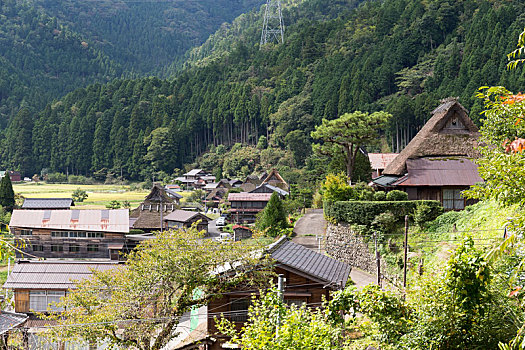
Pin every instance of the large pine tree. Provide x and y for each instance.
(7, 195)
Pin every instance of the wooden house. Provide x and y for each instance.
(309, 277)
(81, 234)
(250, 183)
(275, 179)
(195, 179)
(36, 285)
(437, 164)
(267, 188)
(14, 176)
(148, 216)
(48, 203)
(379, 161)
(183, 219)
(245, 206)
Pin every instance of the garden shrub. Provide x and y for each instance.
(365, 212)
(396, 195)
(380, 196)
(424, 214)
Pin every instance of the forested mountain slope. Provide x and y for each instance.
(49, 48)
(398, 55)
(40, 60)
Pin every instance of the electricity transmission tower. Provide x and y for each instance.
(273, 26)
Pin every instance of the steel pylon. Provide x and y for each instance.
(273, 26)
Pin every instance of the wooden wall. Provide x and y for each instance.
(43, 237)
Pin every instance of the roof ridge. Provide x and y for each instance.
(275, 245)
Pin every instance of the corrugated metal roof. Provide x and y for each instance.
(440, 171)
(193, 172)
(10, 320)
(182, 215)
(47, 203)
(88, 220)
(380, 160)
(52, 274)
(385, 180)
(246, 196)
(321, 267)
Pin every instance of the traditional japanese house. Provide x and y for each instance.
(275, 179)
(37, 285)
(251, 182)
(196, 178)
(245, 206)
(48, 203)
(267, 188)
(184, 219)
(379, 161)
(437, 164)
(14, 176)
(81, 234)
(148, 216)
(309, 277)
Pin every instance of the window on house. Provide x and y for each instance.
(452, 199)
(26, 232)
(296, 302)
(57, 248)
(74, 248)
(38, 248)
(239, 310)
(39, 300)
(92, 247)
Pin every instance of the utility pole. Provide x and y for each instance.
(280, 294)
(273, 25)
(378, 261)
(406, 253)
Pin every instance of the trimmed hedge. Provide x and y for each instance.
(364, 212)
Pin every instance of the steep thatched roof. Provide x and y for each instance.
(450, 132)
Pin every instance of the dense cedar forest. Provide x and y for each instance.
(49, 48)
(401, 56)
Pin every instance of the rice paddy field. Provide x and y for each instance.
(98, 195)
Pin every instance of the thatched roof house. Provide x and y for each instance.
(147, 216)
(437, 163)
(450, 132)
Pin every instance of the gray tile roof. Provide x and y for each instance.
(182, 215)
(10, 320)
(321, 267)
(29, 274)
(47, 203)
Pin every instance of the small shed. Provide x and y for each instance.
(184, 219)
(241, 232)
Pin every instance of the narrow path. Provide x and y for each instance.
(308, 228)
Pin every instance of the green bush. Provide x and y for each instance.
(396, 195)
(56, 178)
(363, 192)
(425, 214)
(380, 196)
(365, 212)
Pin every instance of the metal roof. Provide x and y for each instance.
(88, 220)
(10, 320)
(440, 171)
(274, 189)
(173, 194)
(27, 274)
(193, 172)
(48, 203)
(321, 267)
(385, 180)
(248, 197)
(182, 215)
(380, 160)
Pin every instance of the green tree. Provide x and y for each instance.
(79, 195)
(273, 217)
(7, 195)
(300, 326)
(349, 132)
(336, 188)
(114, 204)
(155, 288)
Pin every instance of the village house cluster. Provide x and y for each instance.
(59, 243)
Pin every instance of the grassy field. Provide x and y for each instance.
(98, 195)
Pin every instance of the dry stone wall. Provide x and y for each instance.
(343, 244)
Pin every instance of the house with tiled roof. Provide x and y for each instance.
(245, 206)
(309, 278)
(148, 216)
(48, 203)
